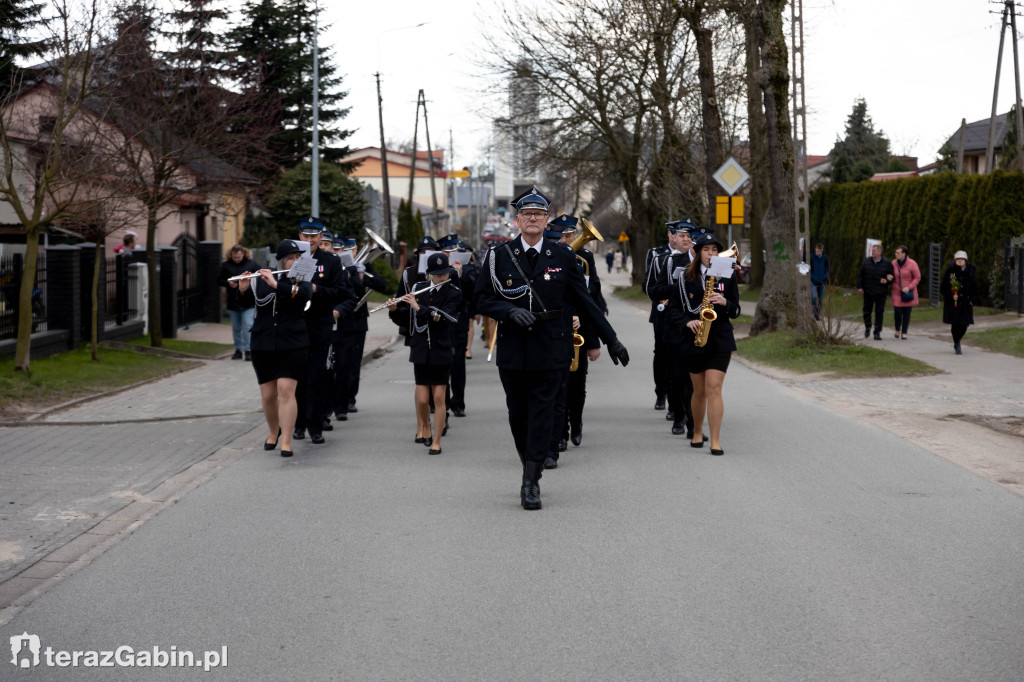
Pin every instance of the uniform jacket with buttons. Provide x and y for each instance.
(721, 336)
(653, 269)
(330, 290)
(431, 340)
(406, 280)
(669, 327)
(350, 320)
(557, 282)
(280, 323)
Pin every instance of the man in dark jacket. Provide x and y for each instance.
(873, 279)
(241, 304)
(820, 271)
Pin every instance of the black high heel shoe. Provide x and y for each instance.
(273, 446)
(432, 451)
(717, 451)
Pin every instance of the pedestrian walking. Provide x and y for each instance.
(821, 268)
(959, 289)
(904, 294)
(873, 279)
(525, 285)
(280, 345)
(618, 261)
(240, 302)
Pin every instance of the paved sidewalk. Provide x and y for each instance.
(78, 479)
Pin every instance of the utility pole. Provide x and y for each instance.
(384, 163)
(990, 149)
(1016, 82)
(315, 204)
(415, 138)
(799, 121)
(430, 159)
(1009, 20)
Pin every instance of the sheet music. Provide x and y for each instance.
(721, 267)
(347, 259)
(302, 270)
(422, 266)
(459, 256)
(677, 273)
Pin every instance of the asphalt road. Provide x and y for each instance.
(836, 552)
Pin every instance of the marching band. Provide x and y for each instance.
(542, 294)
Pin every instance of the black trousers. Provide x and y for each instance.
(958, 331)
(876, 302)
(313, 394)
(457, 382)
(577, 396)
(680, 390)
(662, 368)
(902, 317)
(559, 411)
(530, 397)
(348, 359)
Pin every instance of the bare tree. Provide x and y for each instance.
(46, 144)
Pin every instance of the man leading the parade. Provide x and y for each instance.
(524, 284)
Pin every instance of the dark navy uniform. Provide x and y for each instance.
(466, 282)
(577, 389)
(720, 338)
(349, 337)
(662, 364)
(431, 341)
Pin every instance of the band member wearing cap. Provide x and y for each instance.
(465, 279)
(280, 344)
(672, 323)
(350, 335)
(708, 364)
(434, 314)
(553, 231)
(524, 284)
(314, 392)
(662, 361)
(410, 275)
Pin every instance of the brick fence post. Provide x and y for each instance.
(167, 258)
(88, 254)
(64, 291)
(210, 259)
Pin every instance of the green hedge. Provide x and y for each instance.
(970, 212)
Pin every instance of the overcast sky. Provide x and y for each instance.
(921, 65)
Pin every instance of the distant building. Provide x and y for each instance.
(369, 171)
(975, 144)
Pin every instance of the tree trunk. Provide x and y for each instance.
(23, 347)
(711, 116)
(155, 333)
(94, 325)
(758, 163)
(777, 307)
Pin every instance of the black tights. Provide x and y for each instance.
(902, 316)
(958, 332)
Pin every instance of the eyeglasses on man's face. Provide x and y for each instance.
(533, 215)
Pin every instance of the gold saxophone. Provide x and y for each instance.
(707, 311)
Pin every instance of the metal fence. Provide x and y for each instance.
(12, 268)
(120, 288)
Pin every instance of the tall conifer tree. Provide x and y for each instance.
(17, 19)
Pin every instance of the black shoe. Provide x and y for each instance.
(878, 336)
(956, 348)
(286, 453)
(678, 428)
(550, 463)
(562, 445)
(576, 436)
(700, 444)
(716, 451)
(529, 494)
(327, 425)
(273, 446)
(670, 416)
(444, 432)
(352, 407)
(432, 451)
(424, 441)
(316, 438)
(299, 434)
(237, 355)
(867, 332)
(341, 416)
(459, 412)
(248, 356)
(659, 404)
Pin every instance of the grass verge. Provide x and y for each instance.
(786, 350)
(1009, 340)
(72, 375)
(206, 349)
(631, 293)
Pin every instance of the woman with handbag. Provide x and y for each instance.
(904, 294)
(959, 289)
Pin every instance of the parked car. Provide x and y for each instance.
(743, 274)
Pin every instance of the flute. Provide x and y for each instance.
(393, 301)
(255, 274)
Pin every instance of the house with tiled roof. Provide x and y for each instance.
(975, 144)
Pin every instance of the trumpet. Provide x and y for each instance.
(255, 274)
(393, 301)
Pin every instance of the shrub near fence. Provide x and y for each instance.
(975, 213)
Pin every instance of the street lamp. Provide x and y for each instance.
(315, 207)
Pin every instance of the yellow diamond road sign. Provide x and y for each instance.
(731, 176)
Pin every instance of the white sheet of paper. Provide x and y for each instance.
(677, 273)
(459, 256)
(422, 267)
(721, 267)
(303, 246)
(302, 270)
(347, 259)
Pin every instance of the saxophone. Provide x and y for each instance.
(707, 315)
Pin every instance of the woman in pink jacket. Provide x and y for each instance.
(904, 290)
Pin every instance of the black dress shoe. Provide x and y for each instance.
(717, 451)
(273, 446)
(550, 463)
(341, 416)
(670, 416)
(316, 438)
(299, 434)
(432, 451)
(458, 412)
(956, 348)
(286, 453)
(678, 428)
(424, 441)
(352, 407)
(327, 425)
(700, 444)
(529, 494)
(867, 332)
(659, 404)
(237, 355)
(562, 445)
(878, 336)
(577, 436)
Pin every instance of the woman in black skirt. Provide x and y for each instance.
(280, 344)
(430, 345)
(709, 363)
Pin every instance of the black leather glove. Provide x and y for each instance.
(521, 316)
(618, 352)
